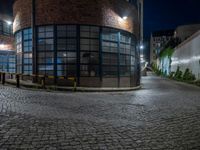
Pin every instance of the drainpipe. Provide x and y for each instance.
(34, 56)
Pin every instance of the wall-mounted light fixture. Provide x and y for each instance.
(9, 22)
(124, 17)
(2, 46)
(5, 46)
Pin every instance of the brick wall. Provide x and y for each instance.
(7, 43)
(22, 14)
(91, 12)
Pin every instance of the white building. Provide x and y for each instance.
(185, 31)
(187, 55)
(164, 64)
(158, 40)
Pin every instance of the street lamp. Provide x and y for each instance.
(141, 47)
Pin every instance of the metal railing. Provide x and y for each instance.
(17, 77)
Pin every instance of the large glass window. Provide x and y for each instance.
(58, 48)
(11, 62)
(110, 52)
(7, 61)
(64, 44)
(27, 51)
(18, 41)
(125, 51)
(133, 56)
(66, 63)
(66, 50)
(45, 47)
(89, 51)
(89, 32)
(66, 31)
(3, 61)
(5, 28)
(23, 40)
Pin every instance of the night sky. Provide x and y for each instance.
(168, 14)
(6, 6)
(158, 14)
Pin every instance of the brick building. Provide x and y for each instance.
(7, 53)
(92, 40)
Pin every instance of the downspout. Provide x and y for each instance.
(34, 50)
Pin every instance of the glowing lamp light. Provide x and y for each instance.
(2, 46)
(124, 18)
(141, 46)
(9, 22)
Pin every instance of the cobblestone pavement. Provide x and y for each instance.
(162, 115)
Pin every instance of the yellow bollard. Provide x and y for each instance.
(75, 85)
(43, 82)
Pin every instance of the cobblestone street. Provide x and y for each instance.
(164, 114)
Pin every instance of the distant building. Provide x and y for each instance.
(187, 55)
(181, 34)
(185, 31)
(145, 53)
(157, 41)
(167, 41)
(7, 53)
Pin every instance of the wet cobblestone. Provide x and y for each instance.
(162, 115)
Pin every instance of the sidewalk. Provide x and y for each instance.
(28, 84)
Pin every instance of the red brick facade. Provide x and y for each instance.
(7, 43)
(106, 13)
(90, 12)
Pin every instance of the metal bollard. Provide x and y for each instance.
(3, 78)
(75, 85)
(43, 82)
(73, 79)
(18, 81)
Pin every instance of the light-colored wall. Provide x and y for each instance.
(187, 55)
(164, 65)
(185, 31)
